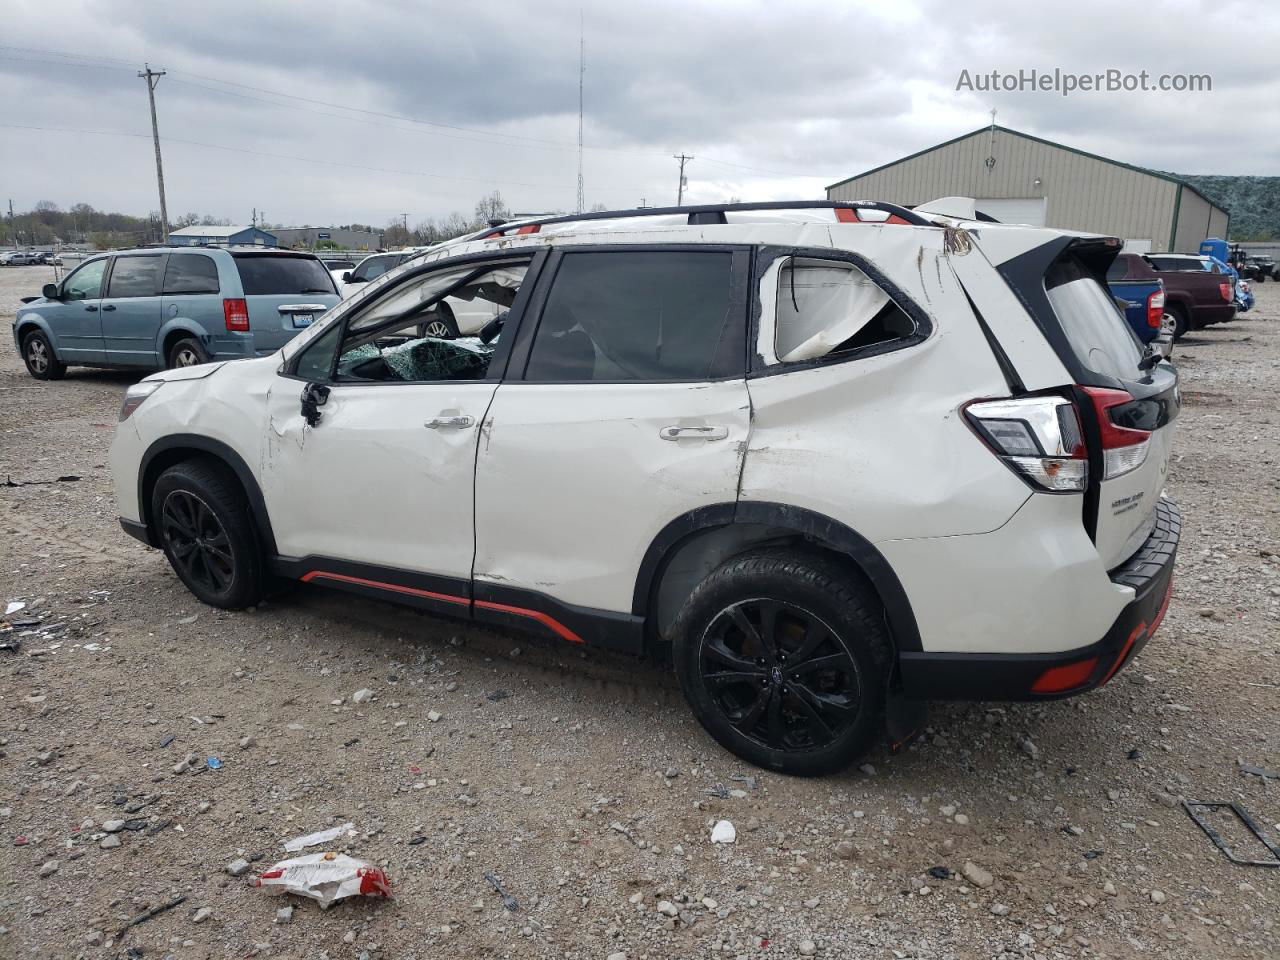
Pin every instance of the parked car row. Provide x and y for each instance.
(1196, 293)
(27, 258)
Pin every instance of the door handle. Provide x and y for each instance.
(92, 309)
(450, 423)
(693, 433)
(109, 306)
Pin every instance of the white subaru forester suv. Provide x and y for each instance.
(836, 458)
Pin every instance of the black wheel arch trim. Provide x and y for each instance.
(223, 452)
(810, 525)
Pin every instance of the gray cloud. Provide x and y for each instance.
(803, 94)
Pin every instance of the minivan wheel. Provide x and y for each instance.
(441, 326)
(784, 659)
(187, 352)
(202, 516)
(42, 363)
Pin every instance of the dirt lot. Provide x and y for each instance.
(580, 780)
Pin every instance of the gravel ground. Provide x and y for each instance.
(580, 780)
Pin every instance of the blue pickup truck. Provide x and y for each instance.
(1140, 293)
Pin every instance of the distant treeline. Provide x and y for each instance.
(1253, 202)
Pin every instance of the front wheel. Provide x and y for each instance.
(207, 532)
(42, 363)
(784, 659)
(441, 325)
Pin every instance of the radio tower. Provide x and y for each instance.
(582, 73)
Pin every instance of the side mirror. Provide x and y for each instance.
(50, 292)
(346, 277)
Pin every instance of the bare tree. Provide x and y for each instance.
(492, 207)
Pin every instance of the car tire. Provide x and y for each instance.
(1180, 326)
(187, 352)
(442, 327)
(41, 359)
(819, 712)
(202, 518)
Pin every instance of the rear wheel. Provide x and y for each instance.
(441, 324)
(207, 533)
(784, 659)
(1180, 325)
(187, 352)
(42, 363)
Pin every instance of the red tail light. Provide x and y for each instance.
(1155, 309)
(236, 313)
(1225, 290)
(1124, 449)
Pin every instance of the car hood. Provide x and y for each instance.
(198, 372)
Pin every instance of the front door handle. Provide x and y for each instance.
(693, 433)
(450, 423)
(109, 306)
(91, 308)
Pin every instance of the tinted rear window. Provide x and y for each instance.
(1098, 332)
(190, 273)
(1176, 264)
(272, 274)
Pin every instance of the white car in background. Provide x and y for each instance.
(454, 316)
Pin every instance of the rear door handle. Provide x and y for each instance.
(450, 423)
(109, 306)
(693, 433)
(92, 309)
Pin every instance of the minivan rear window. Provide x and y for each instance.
(1098, 333)
(273, 274)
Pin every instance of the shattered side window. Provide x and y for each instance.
(440, 326)
(828, 308)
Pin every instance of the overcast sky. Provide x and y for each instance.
(360, 111)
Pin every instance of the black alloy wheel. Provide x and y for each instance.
(197, 541)
(780, 676)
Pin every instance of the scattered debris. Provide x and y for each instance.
(1262, 772)
(10, 482)
(167, 739)
(14, 606)
(1243, 815)
(153, 912)
(325, 878)
(214, 763)
(719, 790)
(415, 841)
(238, 867)
(508, 901)
(319, 837)
(497, 695)
(941, 873)
(723, 832)
(749, 781)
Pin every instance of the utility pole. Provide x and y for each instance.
(582, 74)
(254, 221)
(680, 191)
(153, 77)
(13, 232)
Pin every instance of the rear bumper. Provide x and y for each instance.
(1207, 316)
(1051, 676)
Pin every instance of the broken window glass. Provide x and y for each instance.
(827, 308)
(439, 326)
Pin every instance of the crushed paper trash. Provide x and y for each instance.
(325, 878)
(14, 606)
(723, 832)
(319, 837)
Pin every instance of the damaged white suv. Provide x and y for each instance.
(839, 458)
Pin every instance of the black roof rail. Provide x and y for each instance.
(715, 213)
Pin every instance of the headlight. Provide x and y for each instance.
(134, 396)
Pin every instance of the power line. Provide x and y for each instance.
(275, 156)
(680, 190)
(495, 137)
(153, 78)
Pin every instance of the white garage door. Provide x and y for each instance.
(1028, 210)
